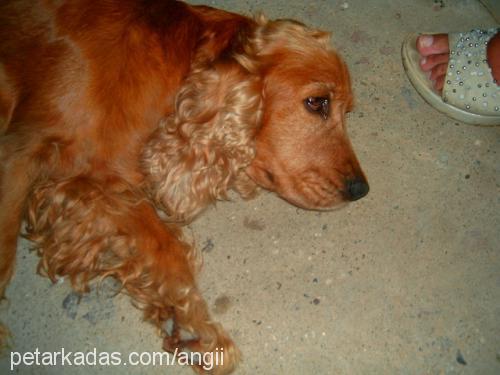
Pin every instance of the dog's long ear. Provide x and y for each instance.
(202, 150)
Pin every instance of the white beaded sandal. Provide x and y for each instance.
(470, 94)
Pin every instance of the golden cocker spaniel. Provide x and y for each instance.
(111, 109)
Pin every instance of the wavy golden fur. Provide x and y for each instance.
(137, 105)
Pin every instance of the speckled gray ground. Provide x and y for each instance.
(397, 283)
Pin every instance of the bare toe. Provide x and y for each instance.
(432, 44)
(438, 71)
(439, 83)
(429, 62)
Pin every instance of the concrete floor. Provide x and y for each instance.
(405, 281)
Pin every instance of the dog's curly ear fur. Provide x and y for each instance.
(201, 151)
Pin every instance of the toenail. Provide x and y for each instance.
(426, 40)
(423, 61)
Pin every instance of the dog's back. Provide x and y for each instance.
(78, 73)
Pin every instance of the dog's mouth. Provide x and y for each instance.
(312, 190)
(315, 197)
(321, 191)
(314, 206)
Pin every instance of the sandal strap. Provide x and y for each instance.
(469, 84)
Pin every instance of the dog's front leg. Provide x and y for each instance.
(86, 231)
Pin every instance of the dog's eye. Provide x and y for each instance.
(319, 105)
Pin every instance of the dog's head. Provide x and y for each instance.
(302, 149)
(267, 110)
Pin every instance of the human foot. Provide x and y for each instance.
(434, 51)
(460, 80)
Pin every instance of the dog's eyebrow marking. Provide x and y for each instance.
(322, 88)
(322, 84)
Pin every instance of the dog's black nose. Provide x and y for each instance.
(356, 189)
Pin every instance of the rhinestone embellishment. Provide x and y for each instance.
(469, 84)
